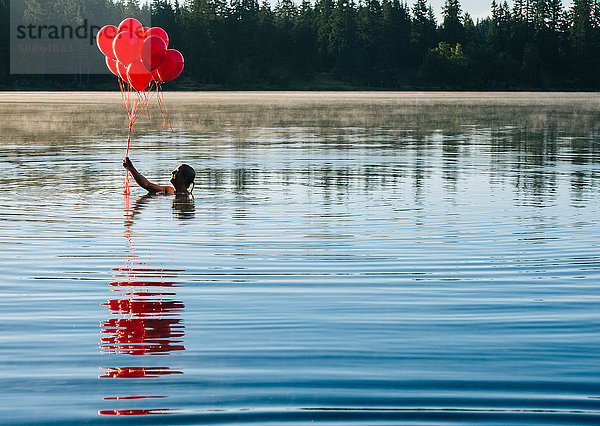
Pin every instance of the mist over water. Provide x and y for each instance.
(346, 258)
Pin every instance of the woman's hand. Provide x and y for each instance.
(142, 181)
(127, 163)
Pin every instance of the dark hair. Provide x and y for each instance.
(189, 174)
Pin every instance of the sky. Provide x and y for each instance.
(476, 8)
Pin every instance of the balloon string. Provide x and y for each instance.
(135, 106)
(126, 183)
(121, 87)
(162, 113)
(162, 92)
(129, 137)
(125, 102)
(131, 103)
(148, 90)
(124, 94)
(135, 109)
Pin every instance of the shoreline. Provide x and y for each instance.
(253, 97)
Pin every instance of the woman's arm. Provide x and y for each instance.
(143, 182)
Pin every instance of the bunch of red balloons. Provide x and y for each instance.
(139, 54)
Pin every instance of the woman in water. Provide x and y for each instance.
(181, 179)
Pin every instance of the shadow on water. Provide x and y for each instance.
(145, 316)
(183, 207)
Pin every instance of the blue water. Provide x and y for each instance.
(350, 262)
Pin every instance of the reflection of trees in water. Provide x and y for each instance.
(451, 155)
(519, 139)
(520, 134)
(584, 178)
(532, 161)
(243, 178)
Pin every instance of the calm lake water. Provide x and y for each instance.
(346, 258)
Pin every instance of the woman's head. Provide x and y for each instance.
(182, 177)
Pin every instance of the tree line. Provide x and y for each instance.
(244, 44)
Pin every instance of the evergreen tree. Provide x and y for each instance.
(285, 15)
(542, 14)
(305, 37)
(596, 15)
(241, 27)
(237, 43)
(163, 15)
(265, 42)
(324, 23)
(396, 32)
(583, 51)
(529, 11)
(200, 50)
(343, 25)
(423, 30)
(453, 31)
(519, 10)
(369, 25)
(555, 15)
(547, 39)
(470, 30)
(581, 28)
(497, 33)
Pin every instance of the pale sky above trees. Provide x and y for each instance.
(476, 8)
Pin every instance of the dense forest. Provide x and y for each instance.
(241, 44)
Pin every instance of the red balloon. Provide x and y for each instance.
(144, 35)
(127, 47)
(156, 77)
(154, 50)
(159, 32)
(112, 66)
(133, 26)
(105, 38)
(138, 76)
(171, 66)
(122, 71)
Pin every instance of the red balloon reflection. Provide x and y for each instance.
(144, 323)
(119, 398)
(136, 372)
(144, 319)
(139, 412)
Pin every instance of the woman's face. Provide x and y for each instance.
(177, 177)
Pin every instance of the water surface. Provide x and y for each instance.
(346, 258)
